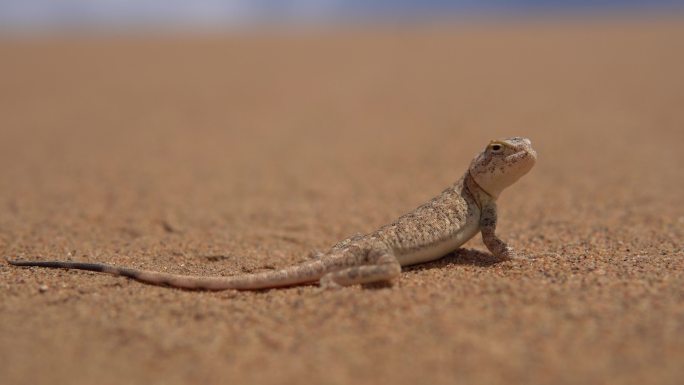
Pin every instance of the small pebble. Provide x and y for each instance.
(43, 288)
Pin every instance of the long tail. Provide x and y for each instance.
(305, 273)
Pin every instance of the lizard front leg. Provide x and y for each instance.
(379, 264)
(496, 246)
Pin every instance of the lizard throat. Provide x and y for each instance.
(480, 195)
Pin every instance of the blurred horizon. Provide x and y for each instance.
(116, 15)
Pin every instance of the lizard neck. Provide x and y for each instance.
(481, 196)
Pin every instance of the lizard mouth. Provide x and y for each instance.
(528, 152)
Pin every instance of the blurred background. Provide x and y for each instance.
(107, 15)
(222, 137)
(136, 83)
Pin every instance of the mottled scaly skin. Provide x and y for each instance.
(427, 233)
(432, 223)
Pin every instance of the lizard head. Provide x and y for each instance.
(502, 163)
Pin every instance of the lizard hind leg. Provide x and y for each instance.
(381, 266)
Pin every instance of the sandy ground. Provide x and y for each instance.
(225, 155)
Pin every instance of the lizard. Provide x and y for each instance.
(425, 234)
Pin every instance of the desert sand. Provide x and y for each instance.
(236, 153)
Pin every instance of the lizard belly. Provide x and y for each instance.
(440, 248)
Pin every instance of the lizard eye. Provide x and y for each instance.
(496, 148)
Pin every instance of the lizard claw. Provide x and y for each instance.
(509, 254)
(327, 283)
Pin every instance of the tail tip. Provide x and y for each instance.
(13, 262)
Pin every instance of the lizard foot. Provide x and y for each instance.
(508, 254)
(328, 283)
